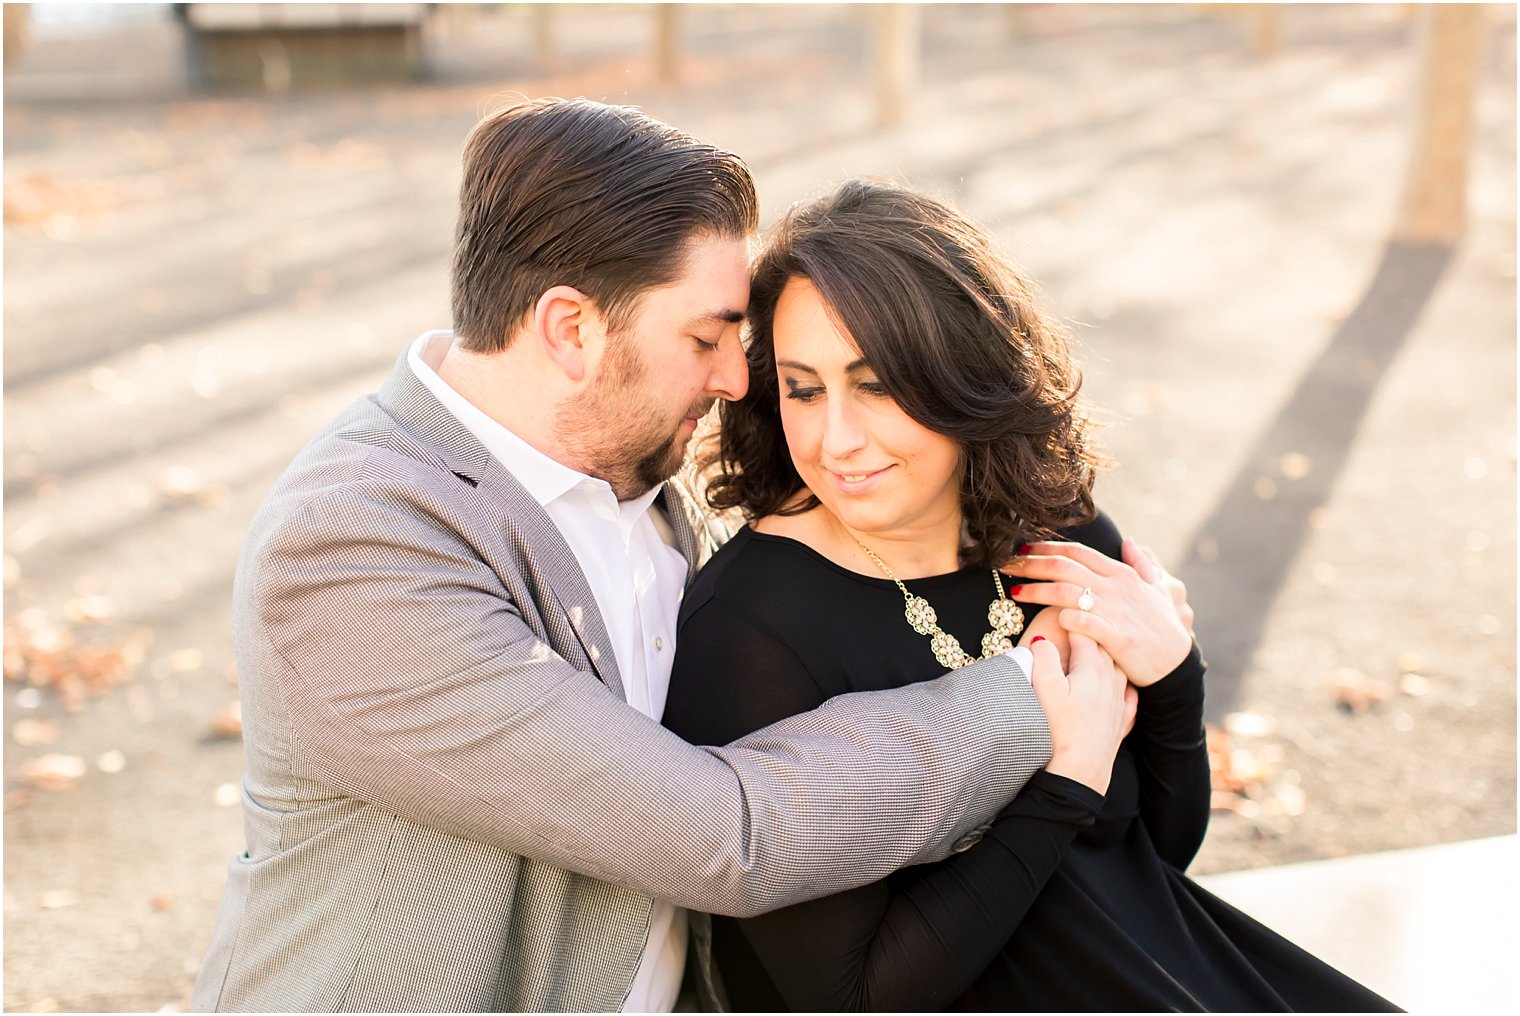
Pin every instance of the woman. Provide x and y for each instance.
(913, 423)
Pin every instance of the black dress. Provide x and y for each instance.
(1071, 901)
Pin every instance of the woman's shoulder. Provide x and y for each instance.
(776, 583)
(748, 568)
(1101, 534)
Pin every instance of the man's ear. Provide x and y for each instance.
(568, 327)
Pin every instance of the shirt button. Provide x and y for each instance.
(659, 644)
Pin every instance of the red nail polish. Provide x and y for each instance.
(1038, 638)
(1025, 548)
(1015, 590)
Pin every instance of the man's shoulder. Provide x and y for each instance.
(366, 475)
(362, 449)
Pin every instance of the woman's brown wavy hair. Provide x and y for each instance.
(953, 334)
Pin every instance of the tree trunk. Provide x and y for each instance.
(897, 60)
(1434, 205)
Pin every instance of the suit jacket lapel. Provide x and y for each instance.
(688, 541)
(459, 452)
(694, 528)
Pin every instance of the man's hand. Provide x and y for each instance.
(1090, 707)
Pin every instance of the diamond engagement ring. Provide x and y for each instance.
(1086, 600)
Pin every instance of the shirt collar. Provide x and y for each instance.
(543, 478)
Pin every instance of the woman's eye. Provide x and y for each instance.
(706, 346)
(800, 394)
(874, 388)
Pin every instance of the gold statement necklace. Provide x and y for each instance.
(1003, 614)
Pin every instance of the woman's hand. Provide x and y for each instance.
(1046, 626)
(1138, 613)
(1089, 705)
(1148, 566)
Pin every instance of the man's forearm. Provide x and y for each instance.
(486, 733)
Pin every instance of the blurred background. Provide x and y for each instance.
(1283, 238)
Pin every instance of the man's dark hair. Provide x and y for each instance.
(954, 335)
(579, 193)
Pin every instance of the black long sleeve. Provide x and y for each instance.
(1171, 755)
(1172, 761)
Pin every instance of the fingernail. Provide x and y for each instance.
(1038, 638)
(1015, 590)
(1025, 548)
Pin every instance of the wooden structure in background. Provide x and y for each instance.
(15, 32)
(279, 46)
(543, 34)
(1267, 29)
(667, 44)
(1434, 205)
(899, 43)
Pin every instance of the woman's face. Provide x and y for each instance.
(876, 468)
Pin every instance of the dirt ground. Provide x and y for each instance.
(1314, 427)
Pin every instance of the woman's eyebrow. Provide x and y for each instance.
(849, 368)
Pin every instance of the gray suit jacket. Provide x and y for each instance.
(448, 804)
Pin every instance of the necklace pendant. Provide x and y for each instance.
(948, 651)
(920, 615)
(1005, 617)
(993, 643)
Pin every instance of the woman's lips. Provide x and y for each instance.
(857, 481)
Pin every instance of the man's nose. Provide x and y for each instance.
(730, 373)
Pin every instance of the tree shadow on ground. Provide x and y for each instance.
(1239, 557)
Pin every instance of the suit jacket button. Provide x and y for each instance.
(966, 842)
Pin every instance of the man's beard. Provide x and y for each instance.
(602, 430)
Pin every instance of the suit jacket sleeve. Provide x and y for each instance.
(413, 679)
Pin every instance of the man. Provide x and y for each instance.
(454, 619)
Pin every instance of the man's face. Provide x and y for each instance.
(661, 373)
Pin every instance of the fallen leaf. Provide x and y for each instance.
(57, 899)
(228, 724)
(82, 609)
(180, 483)
(44, 656)
(34, 733)
(1295, 466)
(186, 660)
(54, 772)
(1222, 800)
(1249, 724)
(162, 901)
(1246, 767)
(1290, 798)
(1413, 685)
(1238, 776)
(1355, 692)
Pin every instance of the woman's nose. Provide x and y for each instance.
(843, 433)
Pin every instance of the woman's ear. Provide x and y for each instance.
(567, 327)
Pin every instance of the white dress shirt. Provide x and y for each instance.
(637, 575)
